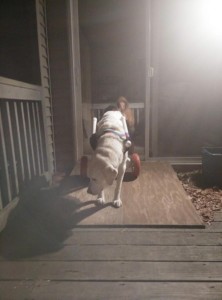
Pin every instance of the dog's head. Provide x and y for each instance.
(101, 174)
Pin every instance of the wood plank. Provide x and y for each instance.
(18, 270)
(218, 216)
(215, 227)
(125, 290)
(45, 290)
(135, 253)
(112, 271)
(156, 197)
(16, 290)
(12, 89)
(145, 237)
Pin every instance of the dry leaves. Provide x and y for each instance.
(206, 200)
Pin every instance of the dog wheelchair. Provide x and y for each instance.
(133, 165)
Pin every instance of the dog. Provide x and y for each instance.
(110, 156)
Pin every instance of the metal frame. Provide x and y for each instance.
(152, 93)
(148, 85)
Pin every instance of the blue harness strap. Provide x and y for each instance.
(122, 135)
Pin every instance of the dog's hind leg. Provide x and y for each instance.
(122, 168)
(101, 198)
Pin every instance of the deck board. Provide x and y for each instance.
(134, 253)
(145, 237)
(51, 290)
(156, 197)
(112, 271)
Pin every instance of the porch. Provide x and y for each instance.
(44, 255)
(50, 248)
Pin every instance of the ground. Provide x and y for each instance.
(206, 199)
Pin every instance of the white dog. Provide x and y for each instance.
(109, 159)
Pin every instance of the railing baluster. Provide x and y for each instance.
(137, 116)
(18, 131)
(1, 202)
(36, 138)
(30, 137)
(26, 141)
(5, 160)
(15, 173)
(40, 137)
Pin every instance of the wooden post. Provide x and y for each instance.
(73, 26)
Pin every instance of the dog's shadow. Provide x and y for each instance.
(44, 219)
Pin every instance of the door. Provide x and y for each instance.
(114, 60)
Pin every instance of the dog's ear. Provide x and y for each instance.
(111, 174)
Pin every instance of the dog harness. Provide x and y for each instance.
(123, 136)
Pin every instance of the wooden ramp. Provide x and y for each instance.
(156, 197)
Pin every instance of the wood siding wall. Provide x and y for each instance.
(60, 83)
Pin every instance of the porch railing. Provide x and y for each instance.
(137, 110)
(22, 141)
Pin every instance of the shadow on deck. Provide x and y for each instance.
(44, 218)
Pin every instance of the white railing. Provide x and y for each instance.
(22, 141)
(137, 110)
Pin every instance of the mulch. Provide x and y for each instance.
(206, 199)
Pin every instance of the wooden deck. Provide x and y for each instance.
(42, 262)
(44, 255)
(156, 197)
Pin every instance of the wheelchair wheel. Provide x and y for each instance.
(136, 165)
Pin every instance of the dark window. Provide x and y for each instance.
(19, 58)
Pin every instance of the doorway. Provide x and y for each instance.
(113, 61)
